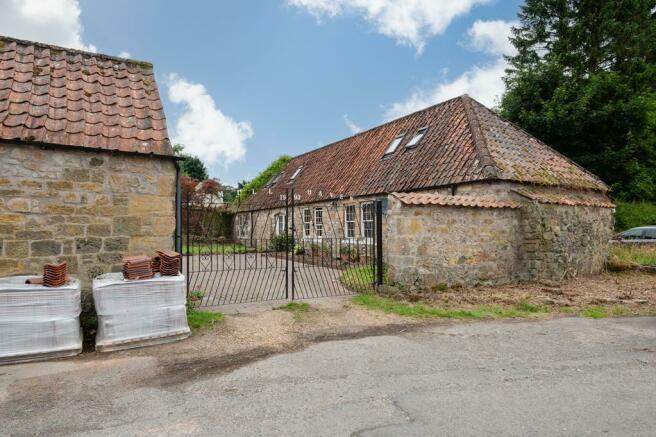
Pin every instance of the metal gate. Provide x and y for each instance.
(223, 270)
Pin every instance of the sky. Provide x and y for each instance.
(245, 81)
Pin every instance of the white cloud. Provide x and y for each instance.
(408, 22)
(354, 128)
(492, 37)
(125, 54)
(483, 82)
(49, 21)
(203, 129)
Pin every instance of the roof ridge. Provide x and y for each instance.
(490, 168)
(78, 51)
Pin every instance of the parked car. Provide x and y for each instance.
(643, 233)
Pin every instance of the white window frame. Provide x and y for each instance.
(296, 173)
(318, 222)
(394, 145)
(242, 226)
(363, 222)
(306, 219)
(348, 222)
(416, 139)
(281, 224)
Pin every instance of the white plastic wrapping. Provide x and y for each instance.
(37, 321)
(133, 313)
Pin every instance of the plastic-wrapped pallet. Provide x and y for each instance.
(38, 322)
(139, 313)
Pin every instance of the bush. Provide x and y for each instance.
(282, 243)
(633, 214)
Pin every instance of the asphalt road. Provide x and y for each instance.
(569, 376)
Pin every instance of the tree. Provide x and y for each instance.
(191, 166)
(265, 176)
(584, 81)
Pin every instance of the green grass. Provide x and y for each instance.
(633, 254)
(594, 312)
(390, 306)
(295, 306)
(360, 278)
(217, 248)
(198, 319)
(202, 319)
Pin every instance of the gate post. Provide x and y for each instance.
(293, 243)
(188, 243)
(286, 242)
(379, 243)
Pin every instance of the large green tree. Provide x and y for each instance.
(584, 81)
(191, 165)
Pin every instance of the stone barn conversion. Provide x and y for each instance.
(87, 172)
(468, 198)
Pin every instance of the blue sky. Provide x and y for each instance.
(247, 81)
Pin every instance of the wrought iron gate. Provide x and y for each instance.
(222, 269)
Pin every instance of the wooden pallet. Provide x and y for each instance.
(143, 341)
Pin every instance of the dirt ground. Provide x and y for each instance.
(246, 337)
(635, 291)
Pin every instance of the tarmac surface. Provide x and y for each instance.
(565, 376)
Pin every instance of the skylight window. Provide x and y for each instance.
(273, 180)
(293, 176)
(414, 142)
(394, 144)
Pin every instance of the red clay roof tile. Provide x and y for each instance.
(63, 96)
(457, 200)
(465, 142)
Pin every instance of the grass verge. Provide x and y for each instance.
(632, 255)
(198, 319)
(298, 310)
(391, 306)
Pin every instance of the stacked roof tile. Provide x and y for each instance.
(69, 97)
(465, 142)
(456, 200)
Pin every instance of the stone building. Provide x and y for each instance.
(87, 172)
(468, 198)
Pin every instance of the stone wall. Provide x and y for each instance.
(561, 241)
(429, 245)
(88, 207)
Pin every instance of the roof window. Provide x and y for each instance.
(414, 142)
(293, 176)
(394, 144)
(273, 180)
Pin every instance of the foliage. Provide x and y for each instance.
(584, 81)
(392, 306)
(360, 278)
(265, 176)
(282, 243)
(634, 214)
(191, 166)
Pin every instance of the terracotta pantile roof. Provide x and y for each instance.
(571, 199)
(68, 97)
(457, 200)
(465, 142)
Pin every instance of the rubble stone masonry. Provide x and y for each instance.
(88, 207)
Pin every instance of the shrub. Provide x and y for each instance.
(282, 243)
(633, 214)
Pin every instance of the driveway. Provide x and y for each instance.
(250, 277)
(567, 376)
